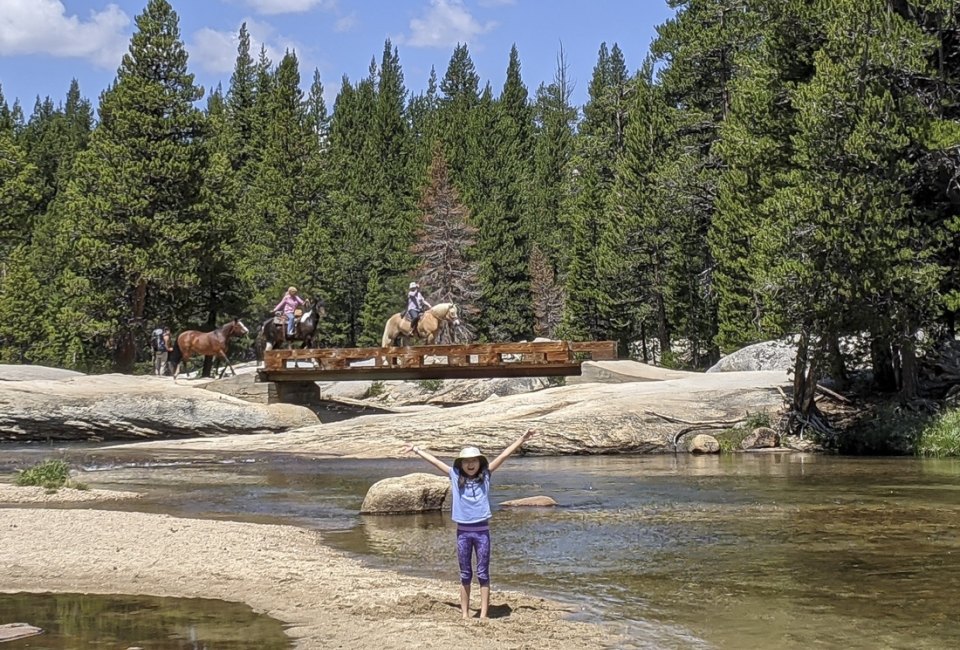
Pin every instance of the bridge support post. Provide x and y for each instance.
(303, 393)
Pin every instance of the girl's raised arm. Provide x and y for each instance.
(430, 458)
(505, 454)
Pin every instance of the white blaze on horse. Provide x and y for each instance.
(427, 328)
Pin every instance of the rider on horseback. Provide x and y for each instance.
(416, 305)
(290, 304)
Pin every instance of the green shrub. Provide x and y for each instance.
(50, 474)
(376, 389)
(552, 382)
(887, 430)
(941, 436)
(430, 385)
(756, 420)
(730, 439)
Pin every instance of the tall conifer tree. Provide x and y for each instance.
(132, 202)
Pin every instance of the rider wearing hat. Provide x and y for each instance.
(416, 305)
(289, 305)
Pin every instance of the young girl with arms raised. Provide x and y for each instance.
(470, 490)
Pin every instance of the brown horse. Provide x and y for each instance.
(427, 328)
(214, 344)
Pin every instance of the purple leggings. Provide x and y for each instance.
(467, 541)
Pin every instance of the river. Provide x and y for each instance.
(769, 550)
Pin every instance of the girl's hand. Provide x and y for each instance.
(409, 449)
(529, 433)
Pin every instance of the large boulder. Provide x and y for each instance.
(622, 371)
(10, 372)
(769, 355)
(633, 417)
(761, 438)
(703, 443)
(418, 492)
(110, 407)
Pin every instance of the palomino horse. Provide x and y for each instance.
(214, 344)
(427, 328)
(273, 334)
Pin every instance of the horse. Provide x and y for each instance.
(273, 334)
(214, 344)
(427, 328)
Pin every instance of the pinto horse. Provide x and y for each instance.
(273, 334)
(427, 328)
(214, 344)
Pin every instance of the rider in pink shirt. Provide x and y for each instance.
(288, 304)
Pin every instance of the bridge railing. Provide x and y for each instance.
(481, 355)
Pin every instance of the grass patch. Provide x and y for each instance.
(940, 437)
(430, 385)
(377, 388)
(731, 439)
(50, 475)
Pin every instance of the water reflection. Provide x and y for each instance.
(78, 621)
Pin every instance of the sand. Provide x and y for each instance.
(31, 494)
(328, 600)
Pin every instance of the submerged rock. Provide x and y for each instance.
(530, 502)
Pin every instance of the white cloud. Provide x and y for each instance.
(345, 23)
(289, 6)
(446, 23)
(216, 51)
(42, 27)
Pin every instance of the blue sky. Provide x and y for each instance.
(46, 43)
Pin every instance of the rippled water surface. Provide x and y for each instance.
(743, 551)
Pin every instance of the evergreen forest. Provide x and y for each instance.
(773, 168)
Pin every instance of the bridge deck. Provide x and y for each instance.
(541, 359)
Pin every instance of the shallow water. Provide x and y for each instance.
(81, 621)
(742, 551)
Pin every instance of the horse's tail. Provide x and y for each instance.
(176, 355)
(387, 340)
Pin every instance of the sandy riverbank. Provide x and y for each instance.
(328, 600)
(20, 494)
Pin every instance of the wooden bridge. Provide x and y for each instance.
(539, 359)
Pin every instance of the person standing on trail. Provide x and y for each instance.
(289, 304)
(416, 305)
(162, 346)
(470, 492)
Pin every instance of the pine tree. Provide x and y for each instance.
(21, 195)
(392, 185)
(756, 145)
(546, 295)
(444, 237)
(555, 119)
(643, 236)
(590, 288)
(495, 186)
(851, 252)
(131, 206)
(460, 94)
